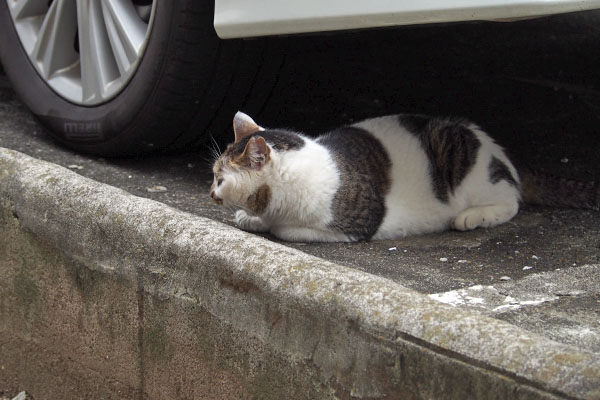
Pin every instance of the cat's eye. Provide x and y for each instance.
(219, 181)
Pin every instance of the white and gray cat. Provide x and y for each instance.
(382, 178)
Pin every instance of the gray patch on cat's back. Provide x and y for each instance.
(278, 139)
(283, 140)
(449, 144)
(499, 171)
(364, 166)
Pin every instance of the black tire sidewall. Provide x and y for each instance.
(111, 127)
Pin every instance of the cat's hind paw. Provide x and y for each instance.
(468, 220)
(250, 222)
(485, 216)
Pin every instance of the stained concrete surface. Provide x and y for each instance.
(533, 85)
(127, 297)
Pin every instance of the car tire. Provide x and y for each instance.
(187, 86)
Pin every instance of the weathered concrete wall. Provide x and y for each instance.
(113, 296)
(69, 330)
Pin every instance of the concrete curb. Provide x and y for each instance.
(341, 331)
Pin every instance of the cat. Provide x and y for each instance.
(381, 178)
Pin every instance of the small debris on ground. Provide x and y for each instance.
(21, 396)
(462, 261)
(527, 267)
(156, 189)
(74, 166)
(505, 278)
(564, 160)
(392, 249)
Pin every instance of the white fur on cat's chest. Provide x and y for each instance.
(304, 188)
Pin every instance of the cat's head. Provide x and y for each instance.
(241, 169)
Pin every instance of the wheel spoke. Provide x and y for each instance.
(98, 68)
(126, 32)
(144, 11)
(29, 8)
(54, 49)
(85, 50)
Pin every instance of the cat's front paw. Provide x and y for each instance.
(250, 222)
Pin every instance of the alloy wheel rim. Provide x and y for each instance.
(87, 51)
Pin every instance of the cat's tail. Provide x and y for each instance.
(538, 188)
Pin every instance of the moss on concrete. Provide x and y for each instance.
(26, 291)
(157, 345)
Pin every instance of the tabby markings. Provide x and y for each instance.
(450, 146)
(499, 171)
(259, 200)
(364, 167)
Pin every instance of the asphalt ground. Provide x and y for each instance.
(533, 85)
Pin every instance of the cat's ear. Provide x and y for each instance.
(256, 152)
(244, 126)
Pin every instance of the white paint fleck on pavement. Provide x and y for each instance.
(531, 290)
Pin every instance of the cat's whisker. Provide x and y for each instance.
(215, 149)
(214, 141)
(230, 209)
(209, 161)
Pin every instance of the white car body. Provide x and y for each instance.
(250, 18)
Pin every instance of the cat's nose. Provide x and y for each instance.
(215, 198)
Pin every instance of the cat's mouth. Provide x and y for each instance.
(216, 199)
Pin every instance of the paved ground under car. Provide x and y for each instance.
(540, 271)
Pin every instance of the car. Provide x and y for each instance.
(123, 77)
